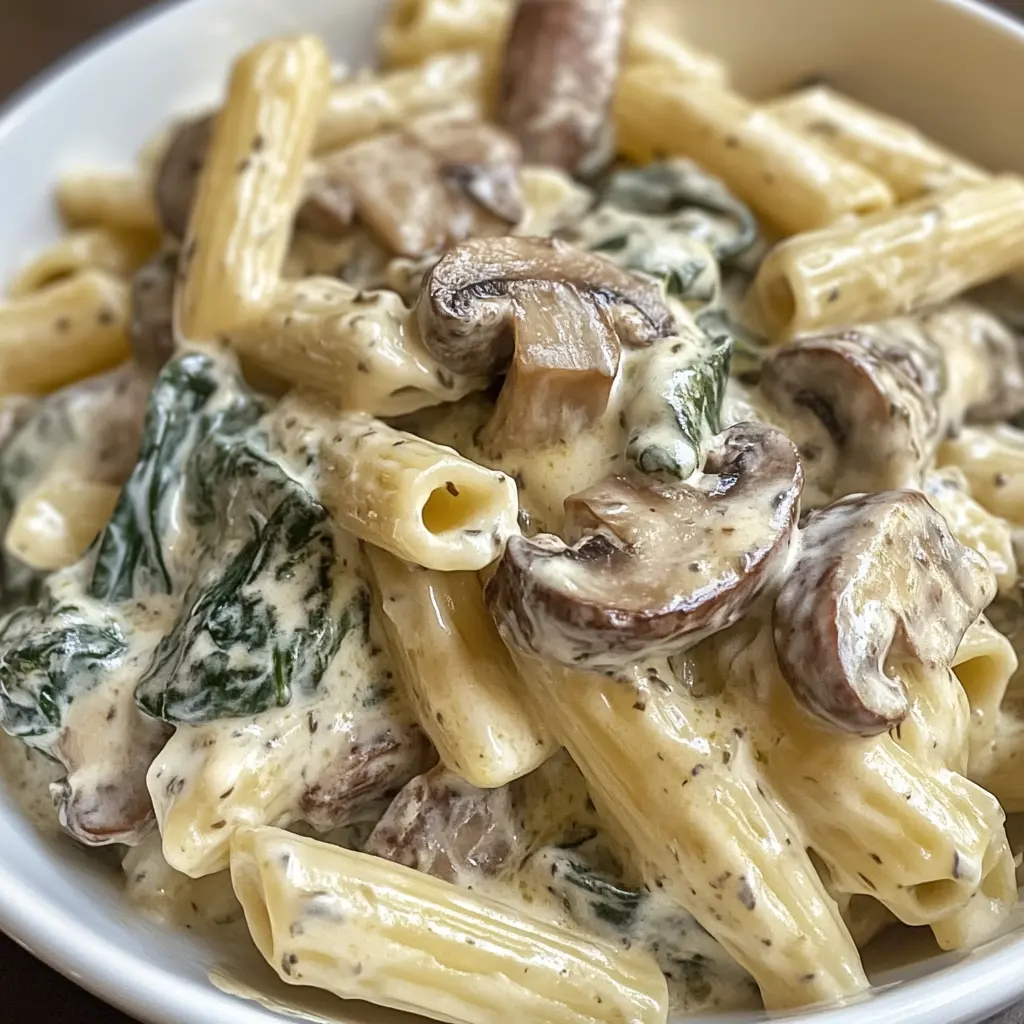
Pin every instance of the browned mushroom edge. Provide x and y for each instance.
(178, 174)
(435, 181)
(658, 566)
(151, 328)
(559, 311)
(864, 406)
(880, 583)
(560, 70)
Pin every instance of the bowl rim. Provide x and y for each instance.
(124, 979)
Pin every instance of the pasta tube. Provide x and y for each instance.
(910, 162)
(459, 676)
(992, 460)
(648, 41)
(885, 813)
(680, 786)
(420, 501)
(365, 928)
(251, 185)
(56, 521)
(361, 349)
(417, 29)
(120, 253)
(1000, 767)
(793, 183)
(893, 261)
(365, 105)
(68, 330)
(119, 201)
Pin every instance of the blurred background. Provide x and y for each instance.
(33, 34)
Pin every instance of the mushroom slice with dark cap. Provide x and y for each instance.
(561, 66)
(866, 404)
(178, 174)
(658, 566)
(880, 583)
(468, 305)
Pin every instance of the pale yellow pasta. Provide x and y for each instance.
(992, 460)
(984, 664)
(972, 524)
(366, 104)
(682, 789)
(650, 41)
(58, 519)
(1000, 768)
(892, 816)
(898, 153)
(794, 184)
(422, 502)
(119, 201)
(251, 185)
(458, 674)
(417, 29)
(360, 349)
(365, 928)
(120, 253)
(891, 262)
(61, 333)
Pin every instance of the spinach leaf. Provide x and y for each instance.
(49, 654)
(675, 402)
(684, 200)
(196, 396)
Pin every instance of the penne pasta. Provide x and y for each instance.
(458, 674)
(910, 162)
(891, 262)
(795, 184)
(702, 826)
(360, 349)
(58, 519)
(422, 502)
(367, 104)
(251, 185)
(417, 29)
(992, 461)
(364, 928)
(61, 333)
(649, 41)
(117, 252)
(117, 201)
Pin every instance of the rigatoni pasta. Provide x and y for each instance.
(120, 201)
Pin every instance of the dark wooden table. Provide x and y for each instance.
(34, 33)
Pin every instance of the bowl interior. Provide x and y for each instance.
(97, 110)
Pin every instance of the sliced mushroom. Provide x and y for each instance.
(658, 567)
(468, 306)
(443, 826)
(561, 66)
(152, 311)
(178, 174)
(865, 405)
(880, 583)
(329, 208)
(439, 179)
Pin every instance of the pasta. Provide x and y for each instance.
(892, 262)
(62, 332)
(418, 500)
(459, 675)
(250, 185)
(548, 525)
(796, 184)
(515, 965)
(900, 155)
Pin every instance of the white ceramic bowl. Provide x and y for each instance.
(952, 67)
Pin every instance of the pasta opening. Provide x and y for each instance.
(452, 507)
(939, 897)
(979, 677)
